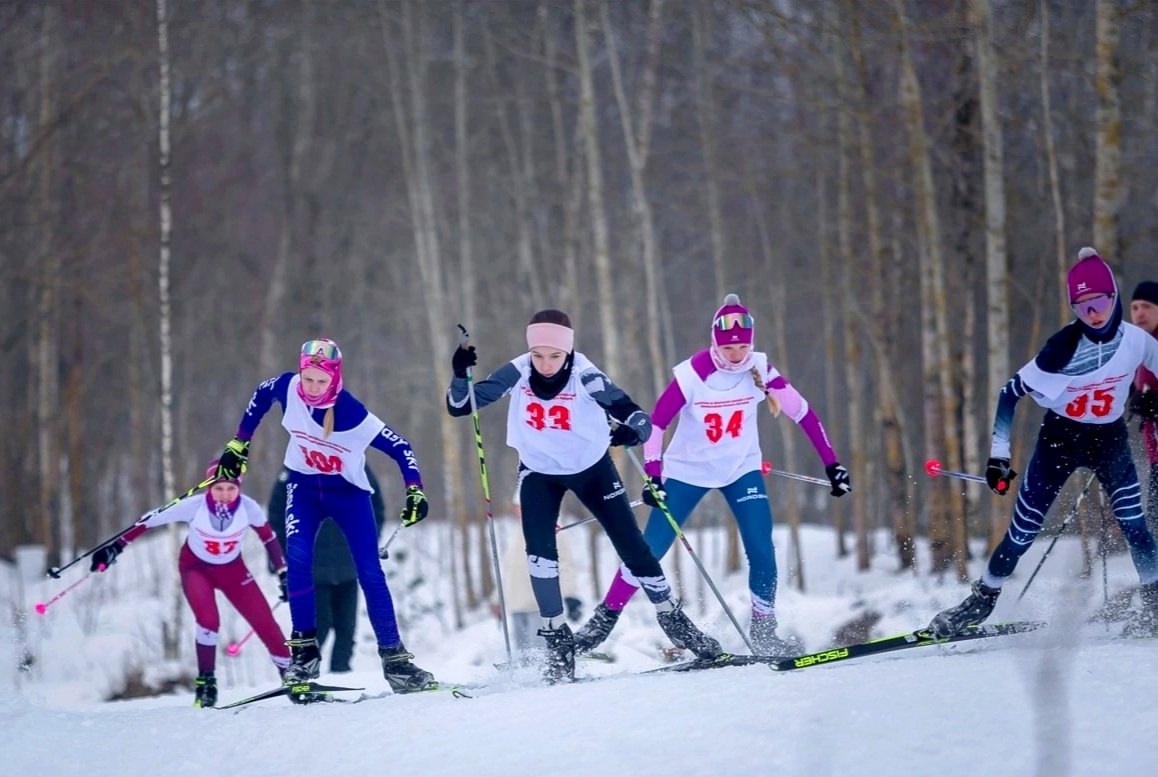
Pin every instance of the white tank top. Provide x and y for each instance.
(209, 543)
(560, 436)
(1098, 397)
(311, 453)
(716, 439)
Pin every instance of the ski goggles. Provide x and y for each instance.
(1099, 305)
(325, 349)
(732, 320)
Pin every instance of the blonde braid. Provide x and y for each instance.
(773, 402)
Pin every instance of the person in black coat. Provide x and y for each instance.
(335, 578)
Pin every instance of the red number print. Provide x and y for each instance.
(715, 427)
(555, 416)
(1102, 404)
(320, 461)
(215, 548)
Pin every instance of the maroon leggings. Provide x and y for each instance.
(201, 581)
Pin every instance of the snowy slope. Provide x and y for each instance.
(1068, 700)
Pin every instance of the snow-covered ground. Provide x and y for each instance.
(1066, 700)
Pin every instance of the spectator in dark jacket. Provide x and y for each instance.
(335, 578)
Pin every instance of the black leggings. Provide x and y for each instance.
(601, 491)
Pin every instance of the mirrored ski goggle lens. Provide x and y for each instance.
(730, 320)
(1099, 305)
(322, 348)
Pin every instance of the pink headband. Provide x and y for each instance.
(551, 336)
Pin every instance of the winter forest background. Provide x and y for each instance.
(188, 190)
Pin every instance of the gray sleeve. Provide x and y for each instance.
(610, 397)
(496, 386)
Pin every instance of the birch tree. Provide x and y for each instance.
(1108, 135)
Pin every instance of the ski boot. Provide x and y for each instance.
(1144, 623)
(971, 612)
(597, 629)
(560, 663)
(765, 640)
(404, 676)
(205, 690)
(683, 633)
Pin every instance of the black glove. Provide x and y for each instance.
(416, 506)
(649, 497)
(1144, 404)
(998, 474)
(838, 477)
(574, 608)
(633, 431)
(234, 459)
(105, 556)
(462, 359)
(283, 585)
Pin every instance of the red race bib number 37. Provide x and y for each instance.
(1100, 402)
(217, 548)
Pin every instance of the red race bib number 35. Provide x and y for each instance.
(1100, 402)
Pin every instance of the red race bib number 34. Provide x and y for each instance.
(715, 427)
(1100, 402)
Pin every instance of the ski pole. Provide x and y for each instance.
(384, 551)
(590, 518)
(482, 470)
(42, 607)
(234, 648)
(1069, 516)
(687, 546)
(54, 572)
(933, 469)
(766, 469)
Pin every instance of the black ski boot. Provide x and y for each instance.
(205, 690)
(1144, 623)
(597, 629)
(560, 664)
(403, 675)
(683, 633)
(306, 659)
(971, 612)
(765, 640)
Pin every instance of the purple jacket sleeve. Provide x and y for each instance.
(270, 391)
(670, 402)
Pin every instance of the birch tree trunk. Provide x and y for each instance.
(638, 143)
(468, 287)
(529, 282)
(946, 521)
(589, 124)
(850, 359)
(830, 317)
(173, 632)
(1059, 212)
(706, 122)
(778, 300)
(1108, 143)
(996, 253)
(407, 86)
(47, 355)
(882, 322)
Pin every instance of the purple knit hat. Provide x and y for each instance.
(733, 324)
(1091, 275)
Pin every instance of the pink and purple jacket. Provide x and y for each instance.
(792, 404)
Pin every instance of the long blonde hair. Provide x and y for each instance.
(328, 423)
